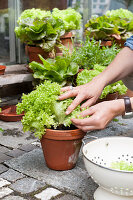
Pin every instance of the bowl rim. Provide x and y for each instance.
(107, 168)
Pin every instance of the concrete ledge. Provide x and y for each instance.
(16, 80)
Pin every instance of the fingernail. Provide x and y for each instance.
(67, 112)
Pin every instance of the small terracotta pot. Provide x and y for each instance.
(129, 93)
(106, 43)
(9, 114)
(2, 69)
(109, 97)
(61, 148)
(33, 51)
(66, 40)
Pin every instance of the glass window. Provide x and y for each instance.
(101, 6)
(94, 6)
(102, 1)
(11, 50)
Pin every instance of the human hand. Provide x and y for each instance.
(100, 115)
(90, 91)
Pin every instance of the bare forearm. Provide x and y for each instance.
(120, 67)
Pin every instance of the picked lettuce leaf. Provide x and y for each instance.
(122, 165)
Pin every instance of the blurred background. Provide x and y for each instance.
(12, 51)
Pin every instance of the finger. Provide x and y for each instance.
(74, 104)
(83, 122)
(86, 128)
(68, 88)
(66, 95)
(88, 103)
(88, 112)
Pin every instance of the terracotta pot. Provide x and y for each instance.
(61, 148)
(109, 97)
(9, 114)
(106, 43)
(129, 93)
(66, 40)
(120, 43)
(2, 69)
(33, 51)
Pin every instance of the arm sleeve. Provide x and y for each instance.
(129, 43)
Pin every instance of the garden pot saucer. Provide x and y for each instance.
(9, 114)
(2, 69)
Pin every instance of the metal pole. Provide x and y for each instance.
(87, 11)
(18, 10)
(11, 6)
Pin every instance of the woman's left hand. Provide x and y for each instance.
(100, 115)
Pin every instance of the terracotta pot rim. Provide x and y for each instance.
(63, 134)
(67, 35)
(8, 114)
(2, 67)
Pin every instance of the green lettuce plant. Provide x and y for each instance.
(43, 28)
(43, 109)
(87, 75)
(70, 17)
(116, 22)
(38, 27)
(60, 70)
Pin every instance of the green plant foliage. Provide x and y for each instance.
(38, 27)
(70, 17)
(87, 75)
(91, 53)
(57, 70)
(1, 130)
(43, 28)
(43, 109)
(119, 22)
(122, 13)
(122, 165)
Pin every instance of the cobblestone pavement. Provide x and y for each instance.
(24, 174)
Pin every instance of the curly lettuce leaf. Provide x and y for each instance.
(70, 17)
(122, 13)
(43, 109)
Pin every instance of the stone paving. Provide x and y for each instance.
(25, 176)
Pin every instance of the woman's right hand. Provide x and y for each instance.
(89, 91)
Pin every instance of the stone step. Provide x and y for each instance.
(16, 80)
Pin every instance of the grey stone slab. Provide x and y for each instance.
(27, 185)
(14, 198)
(17, 69)
(13, 135)
(75, 181)
(15, 153)
(118, 128)
(3, 168)
(68, 197)
(12, 175)
(15, 78)
(4, 157)
(27, 147)
(3, 149)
